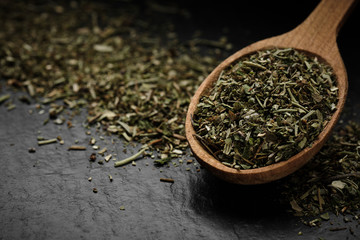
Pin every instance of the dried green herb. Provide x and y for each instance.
(131, 158)
(162, 161)
(102, 151)
(137, 85)
(108, 157)
(48, 141)
(265, 108)
(330, 181)
(134, 83)
(77, 148)
(4, 97)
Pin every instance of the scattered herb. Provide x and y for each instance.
(32, 150)
(102, 151)
(135, 83)
(93, 157)
(169, 180)
(3, 98)
(131, 158)
(325, 216)
(76, 147)
(10, 106)
(108, 157)
(49, 141)
(46, 121)
(92, 141)
(330, 181)
(162, 161)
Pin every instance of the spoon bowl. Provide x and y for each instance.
(316, 36)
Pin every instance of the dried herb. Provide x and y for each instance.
(32, 150)
(4, 97)
(137, 85)
(134, 82)
(48, 141)
(77, 147)
(330, 181)
(102, 151)
(108, 157)
(265, 108)
(162, 161)
(131, 158)
(169, 180)
(93, 157)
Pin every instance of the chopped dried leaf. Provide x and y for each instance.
(330, 181)
(134, 82)
(77, 147)
(3, 98)
(265, 108)
(49, 141)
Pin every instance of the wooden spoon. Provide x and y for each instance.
(315, 36)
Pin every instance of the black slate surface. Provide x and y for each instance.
(47, 195)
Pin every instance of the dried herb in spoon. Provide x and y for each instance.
(265, 108)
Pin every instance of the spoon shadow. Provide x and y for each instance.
(212, 196)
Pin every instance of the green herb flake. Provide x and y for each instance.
(265, 108)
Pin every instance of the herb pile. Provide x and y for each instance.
(133, 82)
(330, 181)
(265, 108)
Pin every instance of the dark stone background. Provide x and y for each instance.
(46, 195)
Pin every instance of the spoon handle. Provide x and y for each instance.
(319, 30)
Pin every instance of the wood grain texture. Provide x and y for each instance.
(315, 36)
